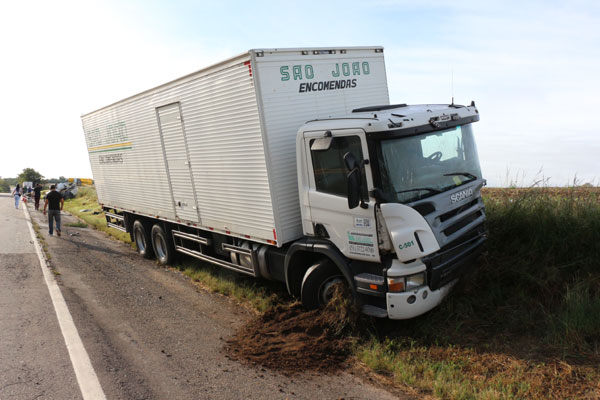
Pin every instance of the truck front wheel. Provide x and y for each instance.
(319, 283)
(142, 239)
(163, 247)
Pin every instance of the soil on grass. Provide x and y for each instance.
(290, 339)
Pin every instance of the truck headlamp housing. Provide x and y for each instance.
(415, 281)
(406, 283)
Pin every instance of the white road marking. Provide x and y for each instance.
(86, 377)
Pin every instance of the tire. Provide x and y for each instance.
(142, 239)
(318, 283)
(162, 246)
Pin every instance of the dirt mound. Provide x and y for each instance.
(290, 339)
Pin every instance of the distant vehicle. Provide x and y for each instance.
(221, 165)
(67, 189)
(81, 181)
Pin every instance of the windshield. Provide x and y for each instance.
(420, 166)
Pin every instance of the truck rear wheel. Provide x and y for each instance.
(162, 245)
(319, 283)
(142, 239)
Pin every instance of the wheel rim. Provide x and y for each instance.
(139, 240)
(327, 289)
(160, 247)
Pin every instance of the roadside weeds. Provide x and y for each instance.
(85, 207)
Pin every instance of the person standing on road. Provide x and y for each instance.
(17, 194)
(54, 202)
(37, 192)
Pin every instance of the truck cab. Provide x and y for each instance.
(391, 194)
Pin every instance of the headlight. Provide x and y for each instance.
(405, 283)
(415, 281)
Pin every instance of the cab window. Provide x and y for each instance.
(329, 168)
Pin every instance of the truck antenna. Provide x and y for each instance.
(452, 82)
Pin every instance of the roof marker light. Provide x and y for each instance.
(317, 52)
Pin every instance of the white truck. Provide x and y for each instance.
(221, 165)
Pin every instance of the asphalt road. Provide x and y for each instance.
(149, 332)
(34, 362)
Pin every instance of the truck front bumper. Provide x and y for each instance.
(443, 271)
(407, 305)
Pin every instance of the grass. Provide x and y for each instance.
(525, 322)
(85, 206)
(77, 224)
(451, 372)
(542, 268)
(258, 295)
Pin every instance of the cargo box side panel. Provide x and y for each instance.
(295, 88)
(225, 144)
(127, 159)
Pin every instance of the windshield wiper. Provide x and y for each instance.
(468, 175)
(430, 190)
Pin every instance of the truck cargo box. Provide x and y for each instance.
(216, 149)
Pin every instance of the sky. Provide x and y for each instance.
(532, 68)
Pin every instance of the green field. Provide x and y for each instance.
(525, 322)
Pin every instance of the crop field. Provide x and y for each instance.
(524, 323)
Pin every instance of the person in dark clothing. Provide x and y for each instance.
(54, 202)
(37, 192)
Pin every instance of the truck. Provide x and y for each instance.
(292, 165)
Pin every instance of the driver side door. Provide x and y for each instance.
(353, 231)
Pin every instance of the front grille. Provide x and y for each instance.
(462, 223)
(456, 211)
(449, 262)
(450, 221)
(467, 237)
(424, 208)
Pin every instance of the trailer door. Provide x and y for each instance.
(177, 162)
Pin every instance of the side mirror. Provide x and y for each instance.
(350, 161)
(353, 187)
